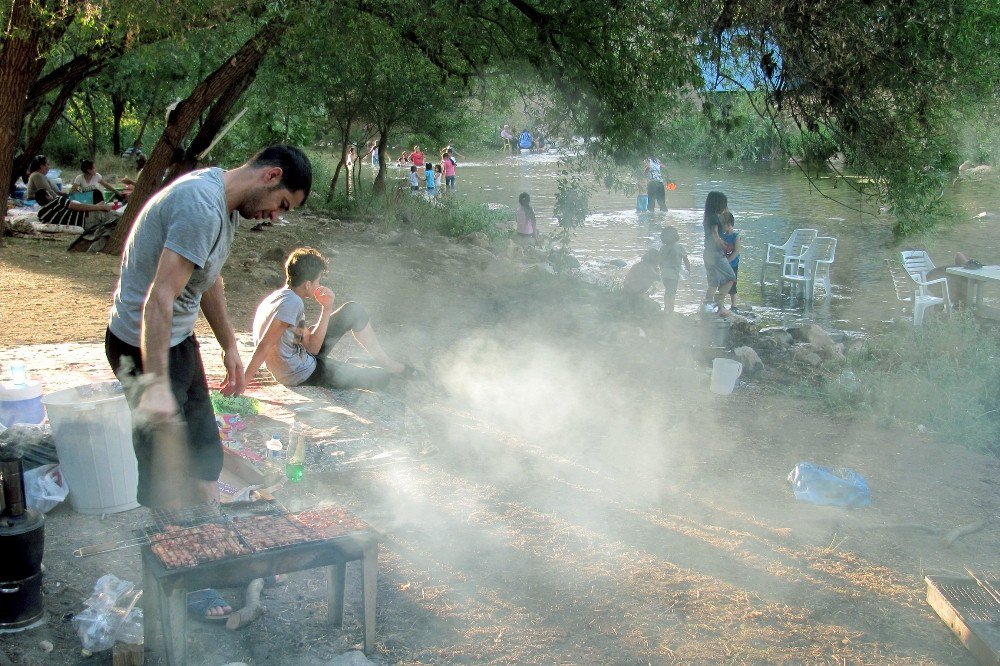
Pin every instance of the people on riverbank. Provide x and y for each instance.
(732, 249)
(526, 141)
(91, 181)
(430, 180)
(449, 166)
(299, 355)
(717, 268)
(506, 137)
(417, 157)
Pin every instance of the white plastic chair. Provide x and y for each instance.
(812, 265)
(910, 288)
(826, 253)
(794, 246)
(917, 262)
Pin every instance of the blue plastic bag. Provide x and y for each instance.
(824, 485)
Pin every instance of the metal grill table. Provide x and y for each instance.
(164, 604)
(970, 612)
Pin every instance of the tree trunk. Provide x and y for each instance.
(243, 63)
(144, 123)
(383, 143)
(214, 122)
(34, 143)
(21, 62)
(118, 103)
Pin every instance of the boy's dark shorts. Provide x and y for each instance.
(190, 388)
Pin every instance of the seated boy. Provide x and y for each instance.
(296, 354)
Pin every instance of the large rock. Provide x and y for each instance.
(806, 354)
(777, 335)
(562, 260)
(812, 334)
(750, 360)
(477, 238)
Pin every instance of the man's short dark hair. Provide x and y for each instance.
(296, 170)
(304, 264)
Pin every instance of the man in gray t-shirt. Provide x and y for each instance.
(173, 257)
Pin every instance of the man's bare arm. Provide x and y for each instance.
(172, 275)
(213, 305)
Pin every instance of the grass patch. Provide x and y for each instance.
(240, 404)
(944, 376)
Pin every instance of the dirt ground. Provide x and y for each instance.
(559, 488)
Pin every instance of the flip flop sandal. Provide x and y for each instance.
(274, 581)
(200, 602)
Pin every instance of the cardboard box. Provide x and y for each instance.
(243, 476)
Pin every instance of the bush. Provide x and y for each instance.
(64, 148)
(944, 375)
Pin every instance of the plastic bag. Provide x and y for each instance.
(44, 487)
(825, 485)
(110, 615)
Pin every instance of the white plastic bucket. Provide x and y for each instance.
(725, 372)
(92, 429)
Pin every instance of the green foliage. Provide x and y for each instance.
(63, 147)
(460, 217)
(572, 199)
(240, 404)
(944, 375)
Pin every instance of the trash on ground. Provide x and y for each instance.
(838, 486)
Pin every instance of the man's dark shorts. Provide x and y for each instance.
(190, 388)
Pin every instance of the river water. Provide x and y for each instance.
(768, 204)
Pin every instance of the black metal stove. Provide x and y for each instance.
(22, 541)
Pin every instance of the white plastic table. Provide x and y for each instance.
(977, 278)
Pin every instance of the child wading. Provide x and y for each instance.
(672, 256)
(414, 180)
(731, 238)
(527, 226)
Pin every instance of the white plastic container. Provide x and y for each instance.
(21, 403)
(92, 429)
(725, 372)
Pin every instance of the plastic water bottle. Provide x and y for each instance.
(274, 449)
(295, 469)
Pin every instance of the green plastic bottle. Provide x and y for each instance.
(295, 469)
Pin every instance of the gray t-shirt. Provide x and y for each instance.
(191, 217)
(290, 362)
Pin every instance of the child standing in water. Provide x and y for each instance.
(438, 178)
(414, 180)
(527, 226)
(429, 177)
(672, 256)
(731, 238)
(717, 269)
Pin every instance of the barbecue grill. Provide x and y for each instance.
(228, 545)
